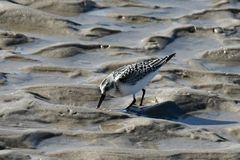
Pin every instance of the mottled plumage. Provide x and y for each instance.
(131, 78)
(134, 72)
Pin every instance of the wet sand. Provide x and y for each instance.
(54, 54)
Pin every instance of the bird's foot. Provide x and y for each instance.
(104, 109)
(128, 108)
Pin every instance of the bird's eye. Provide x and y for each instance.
(108, 86)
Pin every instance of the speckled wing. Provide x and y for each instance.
(133, 72)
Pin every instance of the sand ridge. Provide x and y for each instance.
(54, 54)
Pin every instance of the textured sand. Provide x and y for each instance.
(54, 54)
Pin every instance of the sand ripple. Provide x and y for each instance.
(54, 54)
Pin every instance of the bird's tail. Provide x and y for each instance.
(161, 61)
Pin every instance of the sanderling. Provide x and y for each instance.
(131, 78)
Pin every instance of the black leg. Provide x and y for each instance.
(143, 93)
(134, 100)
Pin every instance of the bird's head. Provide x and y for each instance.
(106, 87)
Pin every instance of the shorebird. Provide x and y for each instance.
(131, 78)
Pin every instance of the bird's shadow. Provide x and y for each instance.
(169, 110)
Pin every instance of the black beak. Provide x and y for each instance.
(101, 100)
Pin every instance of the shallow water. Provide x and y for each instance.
(53, 58)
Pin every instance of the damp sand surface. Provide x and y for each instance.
(54, 54)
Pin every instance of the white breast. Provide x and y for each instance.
(127, 89)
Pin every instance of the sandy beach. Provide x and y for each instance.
(55, 53)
